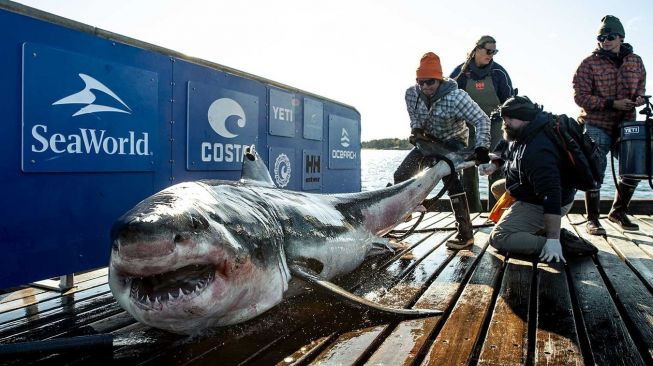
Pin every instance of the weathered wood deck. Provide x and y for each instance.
(498, 311)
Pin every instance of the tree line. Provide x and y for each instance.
(387, 144)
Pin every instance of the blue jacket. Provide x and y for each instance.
(500, 78)
(534, 170)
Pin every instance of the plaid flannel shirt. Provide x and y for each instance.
(446, 118)
(598, 80)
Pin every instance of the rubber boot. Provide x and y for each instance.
(465, 237)
(592, 204)
(470, 183)
(620, 205)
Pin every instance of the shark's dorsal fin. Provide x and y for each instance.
(339, 292)
(254, 170)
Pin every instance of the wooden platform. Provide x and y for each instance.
(498, 311)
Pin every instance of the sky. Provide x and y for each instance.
(364, 52)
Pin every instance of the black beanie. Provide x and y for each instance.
(611, 24)
(520, 108)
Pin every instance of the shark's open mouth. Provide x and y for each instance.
(185, 282)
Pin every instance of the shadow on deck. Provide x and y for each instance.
(498, 311)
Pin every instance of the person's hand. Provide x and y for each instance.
(623, 104)
(551, 251)
(482, 155)
(639, 101)
(416, 134)
(487, 168)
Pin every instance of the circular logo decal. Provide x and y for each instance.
(282, 170)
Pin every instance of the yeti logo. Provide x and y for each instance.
(222, 110)
(282, 170)
(87, 96)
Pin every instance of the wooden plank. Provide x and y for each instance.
(54, 309)
(349, 347)
(401, 295)
(31, 295)
(644, 237)
(636, 259)
(557, 340)
(307, 352)
(455, 343)
(608, 336)
(406, 342)
(506, 342)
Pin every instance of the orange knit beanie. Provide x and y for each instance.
(429, 67)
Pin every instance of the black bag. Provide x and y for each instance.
(578, 149)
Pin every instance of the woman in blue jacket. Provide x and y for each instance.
(489, 85)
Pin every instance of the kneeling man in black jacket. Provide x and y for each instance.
(535, 177)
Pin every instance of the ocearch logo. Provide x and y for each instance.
(221, 111)
(87, 96)
(344, 138)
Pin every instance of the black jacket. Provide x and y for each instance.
(534, 170)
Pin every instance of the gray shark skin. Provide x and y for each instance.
(214, 253)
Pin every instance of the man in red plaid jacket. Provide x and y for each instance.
(608, 85)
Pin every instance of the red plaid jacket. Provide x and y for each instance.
(598, 79)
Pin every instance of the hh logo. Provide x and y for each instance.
(226, 110)
(480, 85)
(313, 164)
(344, 139)
(87, 97)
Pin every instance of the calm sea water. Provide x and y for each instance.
(378, 166)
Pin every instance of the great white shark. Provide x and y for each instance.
(213, 253)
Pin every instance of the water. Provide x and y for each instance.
(378, 166)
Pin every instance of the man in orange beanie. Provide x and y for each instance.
(438, 113)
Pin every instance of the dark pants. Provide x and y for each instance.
(415, 162)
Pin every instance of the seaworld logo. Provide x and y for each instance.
(222, 111)
(90, 141)
(87, 97)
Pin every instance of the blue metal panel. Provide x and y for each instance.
(284, 168)
(56, 222)
(83, 114)
(344, 143)
(104, 124)
(221, 123)
(313, 119)
(312, 170)
(201, 94)
(284, 113)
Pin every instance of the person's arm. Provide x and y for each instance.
(411, 102)
(582, 82)
(544, 175)
(468, 110)
(504, 87)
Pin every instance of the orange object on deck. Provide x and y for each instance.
(502, 205)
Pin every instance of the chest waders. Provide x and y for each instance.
(483, 93)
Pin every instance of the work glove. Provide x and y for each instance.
(416, 134)
(487, 168)
(480, 156)
(552, 250)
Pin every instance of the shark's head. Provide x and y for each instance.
(192, 256)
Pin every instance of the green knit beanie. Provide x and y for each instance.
(611, 24)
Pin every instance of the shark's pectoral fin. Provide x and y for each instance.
(337, 291)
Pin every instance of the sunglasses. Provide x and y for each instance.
(491, 52)
(427, 82)
(609, 37)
